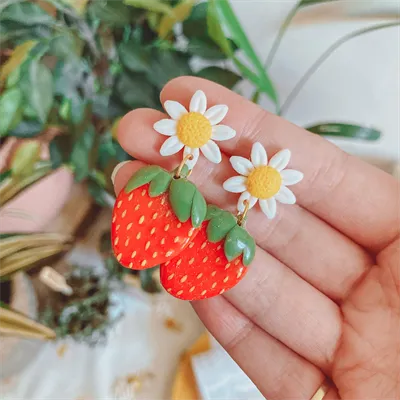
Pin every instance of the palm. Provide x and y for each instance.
(367, 363)
(312, 305)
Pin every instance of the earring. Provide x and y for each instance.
(262, 180)
(160, 212)
(218, 257)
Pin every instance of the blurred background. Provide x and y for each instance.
(74, 324)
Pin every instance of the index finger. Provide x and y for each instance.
(356, 198)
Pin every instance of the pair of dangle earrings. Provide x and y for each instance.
(161, 218)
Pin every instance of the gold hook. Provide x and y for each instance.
(242, 216)
(183, 162)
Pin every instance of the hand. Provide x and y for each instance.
(322, 296)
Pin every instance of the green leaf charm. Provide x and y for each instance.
(141, 177)
(223, 225)
(199, 209)
(181, 198)
(160, 183)
(238, 242)
(220, 225)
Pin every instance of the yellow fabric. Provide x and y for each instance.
(185, 387)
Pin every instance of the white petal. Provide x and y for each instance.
(268, 207)
(258, 155)
(171, 146)
(291, 177)
(195, 153)
(285, 196)
(280, 160)
(222, 132)
(246, 196)
(166, 127)
(174, 109)
(241, 165)
(236, 184)
(198, 103)
(216, 113)
(212, 152)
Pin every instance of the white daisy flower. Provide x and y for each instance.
(194, 130)
(263, 181)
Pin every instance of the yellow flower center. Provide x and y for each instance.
(194, 130)
(264, 182)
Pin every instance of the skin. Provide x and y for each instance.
(322, 296)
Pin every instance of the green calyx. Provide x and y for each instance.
(223, 225)
(185, 199)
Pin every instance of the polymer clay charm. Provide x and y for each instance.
(214, 262)
(159, 213)
(263, 181)
(218, 257)
(194, 130)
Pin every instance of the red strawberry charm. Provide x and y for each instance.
(214, 262)
(155, 217)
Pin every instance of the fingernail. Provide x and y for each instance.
(116, 169)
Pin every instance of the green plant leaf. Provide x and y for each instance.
(98, 193)
(151, 5)
(160, 183)
(199, 209)
(238, 242)
(179, 13)
(60, 150)
(18, 56)
(167, 65)
(27, 129)
(220, 225)
(181, 195)
(135, 91)
(230, 20)
(13, 78)
(134, 56)
(26, 13)
(142, 176)
(10, 103)
(4, 175)
(113, 13)
(345, 130)
(215, 30)
(304, 3)
(219, 75)
(196, 24)
(38, 89)
(147, 281)
(80, 157)
(205, 48)
(24, 158)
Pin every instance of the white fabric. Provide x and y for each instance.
(219, 377)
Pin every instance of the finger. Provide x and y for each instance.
(123, 172)
(271, 290)
(278, 372)
(319, 254)
(289, 309)
(344, 191)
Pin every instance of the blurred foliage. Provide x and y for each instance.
(20, 252)
(74, 68)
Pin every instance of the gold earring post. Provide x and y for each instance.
(242, 216)
(181, 165)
